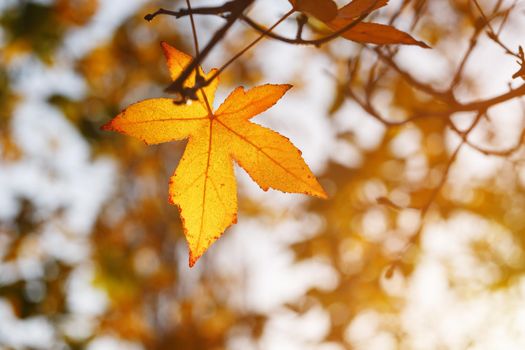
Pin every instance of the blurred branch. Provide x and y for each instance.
(491, 102)
(491, 33)
(472, 44)
(478, 105)
(464, 140)
(444, 95)
(492, 152)
(298, 40)
(424, 209)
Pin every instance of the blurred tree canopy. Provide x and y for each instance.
(419, 246)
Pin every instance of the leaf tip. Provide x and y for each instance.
(320, 193)
(316, 190)
(165, 48)
(168, 50)
(423, 44)
(164, 45)
(323, 195)
(192, 260)
(284, 87)
(388, 203)
(108, 126)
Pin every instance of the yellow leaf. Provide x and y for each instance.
(269, 158)
(324, 10)
(203, 186)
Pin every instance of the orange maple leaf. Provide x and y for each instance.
(374, 33)
(203, 186)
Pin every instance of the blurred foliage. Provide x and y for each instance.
(137, 248)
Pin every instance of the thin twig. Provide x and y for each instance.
(249, 46)
(491, 33)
